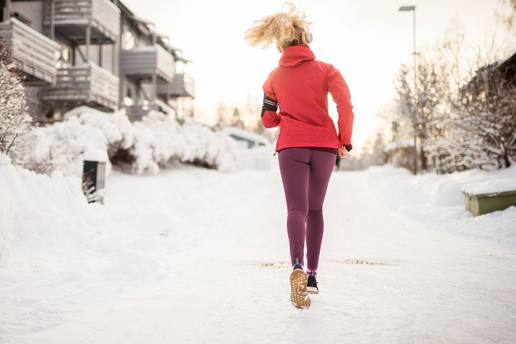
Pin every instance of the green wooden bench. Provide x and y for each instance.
(480, 200)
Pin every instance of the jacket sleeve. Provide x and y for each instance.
(340, 93)
(270, 118)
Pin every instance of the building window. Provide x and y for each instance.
(128, 40)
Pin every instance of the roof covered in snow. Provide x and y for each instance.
(234, 131)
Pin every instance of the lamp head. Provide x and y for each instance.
(406, 8)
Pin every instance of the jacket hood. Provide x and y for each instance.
(295, 55)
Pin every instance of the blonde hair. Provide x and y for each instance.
(283, 29)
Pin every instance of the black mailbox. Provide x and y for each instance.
(94, 180)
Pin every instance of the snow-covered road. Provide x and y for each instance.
(199, 256)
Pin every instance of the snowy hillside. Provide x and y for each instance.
(198, 256)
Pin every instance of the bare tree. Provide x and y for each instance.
(14, 120)
(421, 106)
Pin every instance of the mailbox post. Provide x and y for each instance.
(94, 180)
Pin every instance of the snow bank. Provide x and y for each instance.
(156, 141)
(37, 199)
(57, 251)
(47, 227)
(438, 200)
(6, 213)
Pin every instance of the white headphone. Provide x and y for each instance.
(308, 37)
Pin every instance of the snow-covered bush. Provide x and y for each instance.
(158, 141)
(14, 120)
(115, 127)
(214, 148)
(145, 146)
(85, 134)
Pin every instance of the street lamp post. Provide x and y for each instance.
(414, 53)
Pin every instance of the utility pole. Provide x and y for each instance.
(414, 53)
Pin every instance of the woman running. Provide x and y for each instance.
(308, 142)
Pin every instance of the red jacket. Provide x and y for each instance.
(300, 85)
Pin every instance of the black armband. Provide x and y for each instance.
(269, 104)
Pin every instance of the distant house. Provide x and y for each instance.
(95, 53)
(150, 69)
(400, 154)
(245, 138)
(486, 76)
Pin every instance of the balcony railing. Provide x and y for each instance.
(84, 84)
(70, 17)
(32, 52)
(143, 62)
(182, 85)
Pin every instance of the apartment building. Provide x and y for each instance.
(95, 53)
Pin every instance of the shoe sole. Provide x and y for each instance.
(312, 290)
(298, 293)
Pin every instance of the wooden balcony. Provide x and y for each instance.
(144, 62)
(32, 52)
(70, 19)
(85, 84)
(182, 85)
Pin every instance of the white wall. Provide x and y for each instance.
(32, 10)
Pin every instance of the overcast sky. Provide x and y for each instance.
(367, 40)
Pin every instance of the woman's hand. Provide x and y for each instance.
(342, 152)
(344, 149)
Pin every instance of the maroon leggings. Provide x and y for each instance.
(305, 173)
